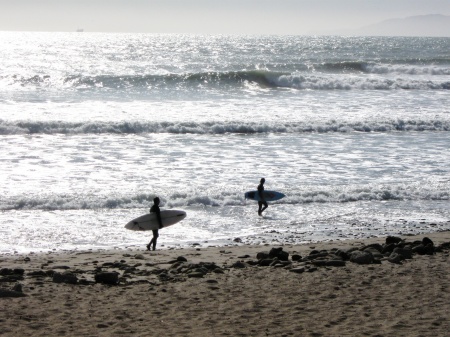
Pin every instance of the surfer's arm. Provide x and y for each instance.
(261, 194)
(155, 209)
(158, 216)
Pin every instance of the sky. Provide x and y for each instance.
(283, 17)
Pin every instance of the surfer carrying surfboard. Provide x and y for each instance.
(261, 197)
(155, 209)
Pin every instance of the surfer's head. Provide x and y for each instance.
(156, 201)
(262, 181)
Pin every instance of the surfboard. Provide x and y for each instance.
(149, 221)
(268, 195)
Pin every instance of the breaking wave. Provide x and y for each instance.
(326, 76)
(56, 127)
(324, 194)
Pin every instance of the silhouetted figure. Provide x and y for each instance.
(155, 209)
(262, 201)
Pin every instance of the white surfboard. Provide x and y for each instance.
(149, 221)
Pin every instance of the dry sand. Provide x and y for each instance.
(387, 299)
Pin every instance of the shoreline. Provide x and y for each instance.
(228, 291)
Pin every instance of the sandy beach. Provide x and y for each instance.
(239, 290)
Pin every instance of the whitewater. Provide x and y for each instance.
(355, 131)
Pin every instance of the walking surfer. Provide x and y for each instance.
(155, 209)
(261, 197)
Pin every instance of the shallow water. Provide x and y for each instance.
(355, 132)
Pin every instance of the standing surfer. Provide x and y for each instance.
(155, 209)
(262, 200)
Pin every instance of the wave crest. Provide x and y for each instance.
(330, 194)
(326, 76)
(55, 127)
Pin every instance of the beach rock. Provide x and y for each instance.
(388, 248)
(65, 277)
(17, 287)
(275, 262)
(11, 278)
(178, 265)
(10, 293)
(195, 269)
(139, 257)
(442, 247)
(424, 247)
(406, 253)
(319, 263)
(195, 275)
(279, 254)
(85, 282)
(375, 252)
(210, 266)
(297, 270)
(361, 257)
(61, 267)
(395, 258)
(129, 270)
(423, 250)
(252, 262)
(10, 271)
(239, 264)
(265, 262)
(393, 239)
(316, 255)
(335, 263)
(342, 254)
(262, 256)
(375, 246)
(296, 257)
(181, 259)
(50, 272)
(37, 273)
(111, 278)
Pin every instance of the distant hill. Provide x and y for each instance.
(435, 25)
(422, 25)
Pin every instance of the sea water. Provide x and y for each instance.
(355, 131)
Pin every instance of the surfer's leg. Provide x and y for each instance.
(265, 206)
(155, 237)
(260, 207)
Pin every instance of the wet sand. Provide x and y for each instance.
(223, 291)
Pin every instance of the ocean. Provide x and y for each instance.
(355, 131)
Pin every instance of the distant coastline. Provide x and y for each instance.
(431, 25)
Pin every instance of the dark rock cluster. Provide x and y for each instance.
(394, 250)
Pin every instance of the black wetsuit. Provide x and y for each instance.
(155, 209)
(262, 202)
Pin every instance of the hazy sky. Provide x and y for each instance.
(208, 16)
